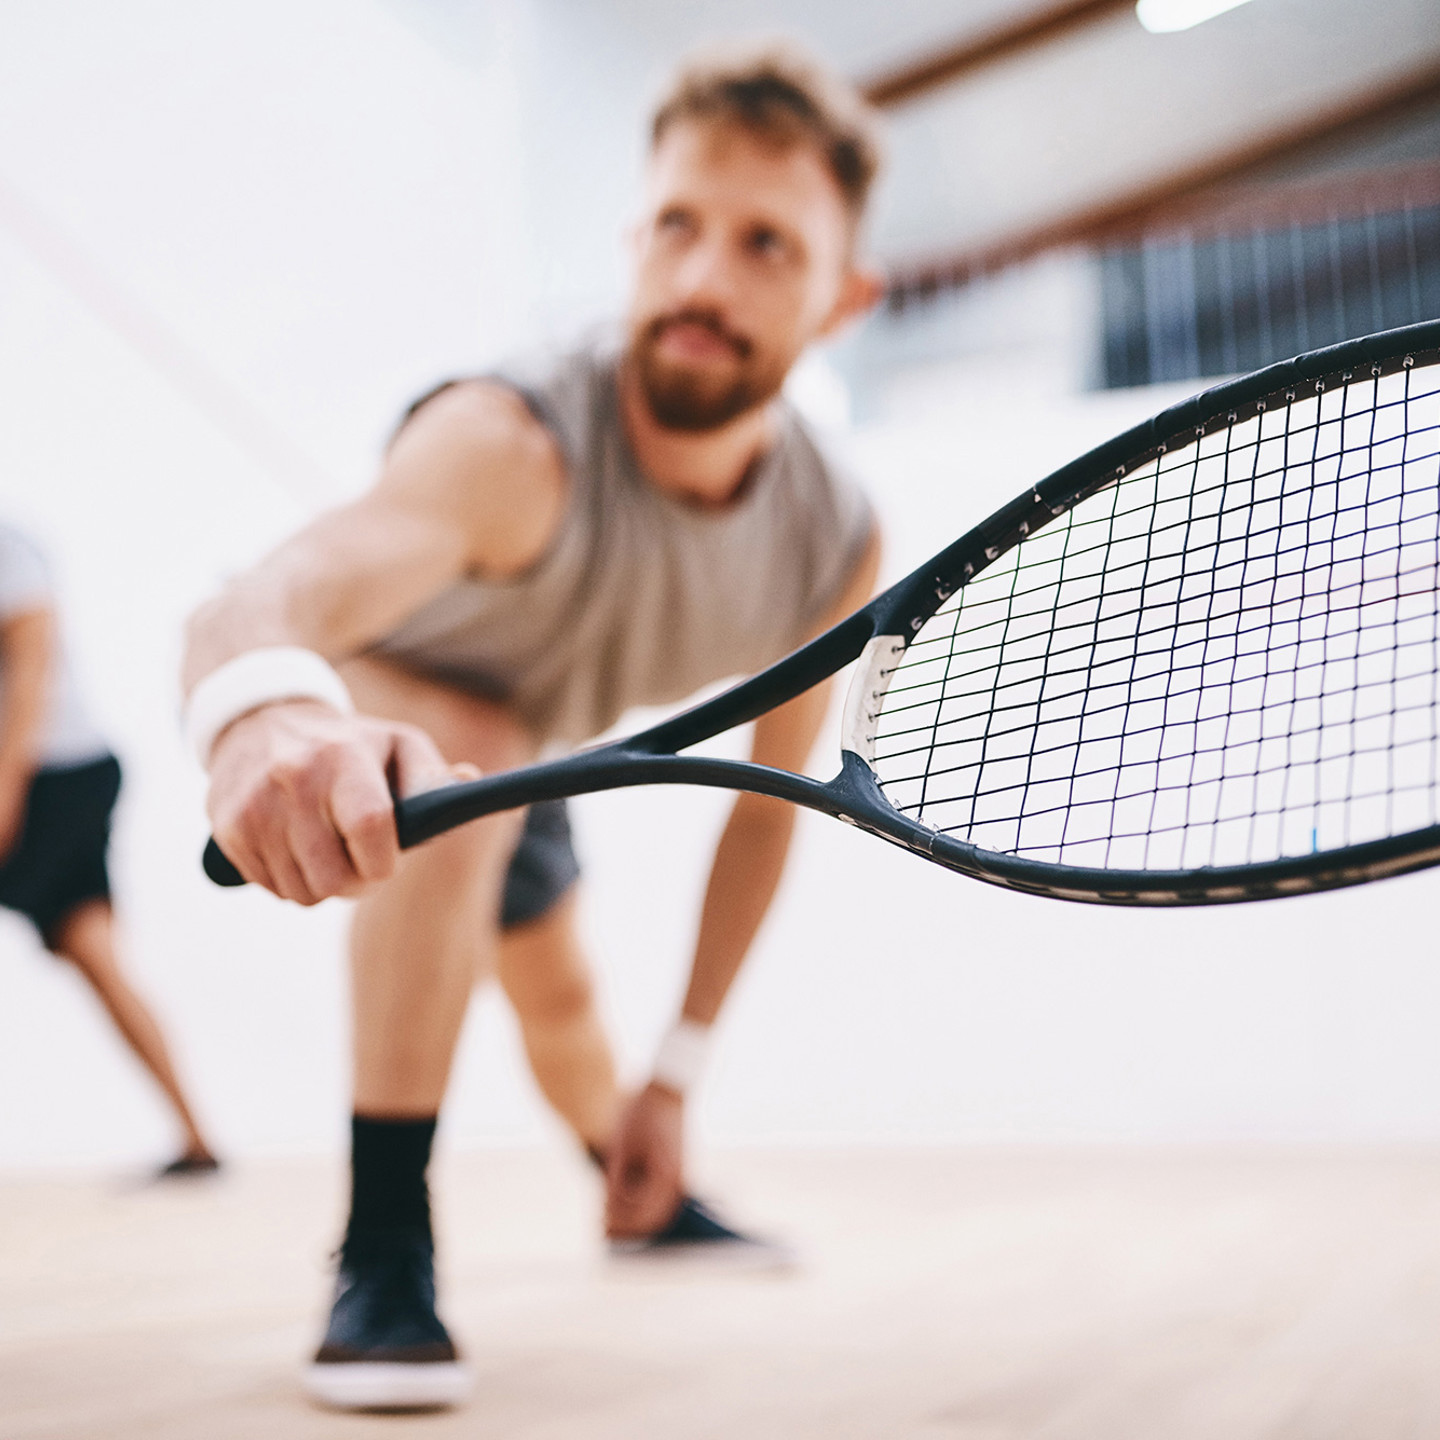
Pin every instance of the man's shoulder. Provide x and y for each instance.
(482, 417)
(476, 458)
(570, 390)
(545, 398)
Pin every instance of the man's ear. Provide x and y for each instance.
(860, 292)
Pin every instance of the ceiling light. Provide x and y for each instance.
(1161, 17)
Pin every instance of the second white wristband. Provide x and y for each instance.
(682, 1056)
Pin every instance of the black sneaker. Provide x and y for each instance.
(189, 1167)
(385, 1348)
(696, 1233)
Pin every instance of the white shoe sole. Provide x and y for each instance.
(387, 1386)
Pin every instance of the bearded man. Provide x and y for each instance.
(540, 553)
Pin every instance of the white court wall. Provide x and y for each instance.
(232, 242)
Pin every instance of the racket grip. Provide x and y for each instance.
(219, 868)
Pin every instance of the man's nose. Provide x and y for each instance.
(706, 276)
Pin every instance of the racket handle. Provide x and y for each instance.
(219, 868)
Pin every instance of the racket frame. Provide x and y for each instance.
(877, 634)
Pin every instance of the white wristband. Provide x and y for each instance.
(256, 678)
(680, 1061)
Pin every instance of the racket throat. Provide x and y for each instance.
(863, 805)
(877, 663)
(857, 780)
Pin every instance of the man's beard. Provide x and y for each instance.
(683, 399)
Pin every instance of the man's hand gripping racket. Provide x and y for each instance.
(1200, 664)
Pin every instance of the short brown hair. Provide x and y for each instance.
(779, 93)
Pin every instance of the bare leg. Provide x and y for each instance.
(86, 937)
(420, 941)
(545, 975)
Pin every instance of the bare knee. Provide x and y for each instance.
(561, 1000)
(543, 970)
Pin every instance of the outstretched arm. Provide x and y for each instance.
(300, 794)
(644, 1170)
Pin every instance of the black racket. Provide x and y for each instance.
(1200, 664)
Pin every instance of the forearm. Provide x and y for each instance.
(749, 862)
(244, 616)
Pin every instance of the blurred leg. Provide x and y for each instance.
(420, 941)
(86, 937)
(545, 975)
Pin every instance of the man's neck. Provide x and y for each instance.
(705, 468)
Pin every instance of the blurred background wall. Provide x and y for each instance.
(236, 240)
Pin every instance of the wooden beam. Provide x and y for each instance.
(1035, 27)
(1130, 213)
(1343, 193)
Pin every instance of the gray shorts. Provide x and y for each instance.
(543, 867)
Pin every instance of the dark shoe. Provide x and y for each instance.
(385, 1348)
(188, 1167)
(696, 1233)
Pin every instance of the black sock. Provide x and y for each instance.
(387, 1175)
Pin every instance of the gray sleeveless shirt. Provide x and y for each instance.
(641, 599)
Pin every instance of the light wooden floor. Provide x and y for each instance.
(948, 1295)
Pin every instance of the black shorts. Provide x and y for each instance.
(543, 867)
(59, 861)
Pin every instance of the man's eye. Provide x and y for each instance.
(674, 222)
(769, 244)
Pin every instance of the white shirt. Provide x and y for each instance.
(68, 737)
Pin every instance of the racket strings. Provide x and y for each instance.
(1227, 656)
